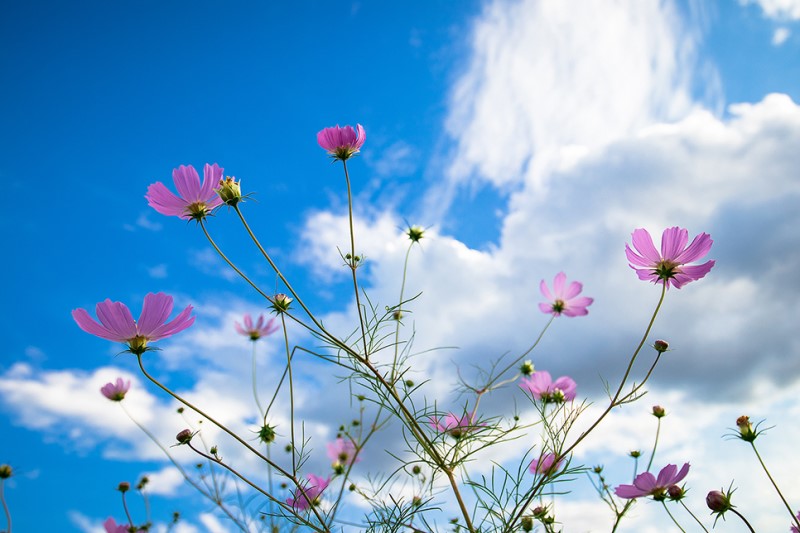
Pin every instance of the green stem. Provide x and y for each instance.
(740, 515)
(788, 508)
(693, 516)
(399, 312)
(291, 393)
(664, 503)
(255, 386)
(353, 263)
(5, 504)
(127, 512)
(655, 445)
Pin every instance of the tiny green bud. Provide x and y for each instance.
(5, 471)
(527, 523)
(409, 383)
(597, 469)
(266, 434)
(338, 468)
(229, 190)
(527, 368)
(635, 454)
(416, 470)
(415, 233)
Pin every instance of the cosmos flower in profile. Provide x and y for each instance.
(261, 328)
(646, 484)
(342, 143)
(564, 299)
(195, 200)
(309, 494)
(117, 324)
(671, 266)
(116, 390)
(541, 386)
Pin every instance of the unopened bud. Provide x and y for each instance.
(675, 492)
(661, 346)
(416, 470)
(5, 471)
(539, 512)
(597, 469)
(527, 368)
(184, 437)
(526, 523)
(124, 487)
(266, 434)
(338, 468)
(635, 454)
(658, 411)
(746, 431)
(415, 233)
(229, 190)
(718, 501)
(280, 303)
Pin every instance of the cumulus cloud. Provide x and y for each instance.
(777, 9)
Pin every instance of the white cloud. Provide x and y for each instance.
(777, 9)
(158, 272)
(780, 35)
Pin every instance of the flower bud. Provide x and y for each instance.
(338, 468)
(718, 501)
(184, 437)
(416, 501)
(213, 450)
(266, 434)
(661, 346)
(397, 314)
(416, 470)
(526, 523)
(675, 492)
(280, 303)
(124, 487)
(658, 411)
(635, 454)
(5, 471)
(539, 512)
(142, 483)
(746, 431)
(229, 190)
(527, 368)
(597, 469)
(415, 233)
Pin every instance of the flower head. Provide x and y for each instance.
(343, 451)
(111, 526)
(342, 143)
(455, 426)
(117, 323)
(646, 484)
(564, 299)
(546, 465)
(115, 391)
(196, 200)
(309, 493)
(671, 266)
(542, 387)
(261, 328)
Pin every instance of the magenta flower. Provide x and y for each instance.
(342, 143)
(795, 529)
(309, 494)
(564, 299)
(115, 391)
(671, 265)
(343, 451)
(111, 526)
(646, 484)
(455, 426)
(196, 200)
(117, 323)
(542, 387)
(546, 465)
(262, 328)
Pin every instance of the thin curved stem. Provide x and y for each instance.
(655, 445)
(780, 494)
(740, 515)
(353, 262)
(127, 512)
(399, 312)
(693, 516)
(291, 393)
(255, 385)
(672, 517)
(5, 505)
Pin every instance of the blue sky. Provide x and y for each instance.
(529, 137)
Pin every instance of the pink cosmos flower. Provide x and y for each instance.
(342, 143)
(196, 200)
(111, 526)
(262, 328)
(343, 451)
(671, 265)
(115, 391)
(646, 484)
(309, 494)
(117, 323)
(453, 425)
(545, 465)
(542, 387)
(564, 299)
(795, 529)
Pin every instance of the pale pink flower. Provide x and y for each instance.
(455, 426)
(115, 391)
(117, 323)
(343, 451)
(564, 299)
(111, 526)
(342, 143)
(671, 266)
(646, 484)
(309, 494)
(542, 387)
(261, 328)
(195, 200)
(545, 465)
